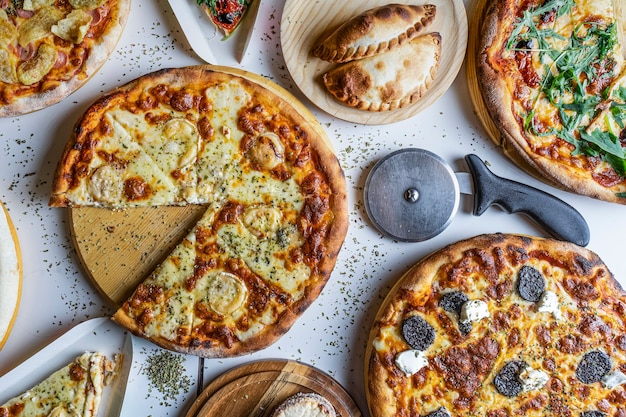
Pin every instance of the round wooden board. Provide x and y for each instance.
(303, 22)
(257, 388)
(119, 248)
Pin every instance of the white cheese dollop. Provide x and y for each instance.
(474, 310)
(549, 303)
(613, 380)
(411, 361)
(532, 379)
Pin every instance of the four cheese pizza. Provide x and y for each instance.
(276, 210)
(501, 325)
(49, 48)
(553, 78)
(74, 390)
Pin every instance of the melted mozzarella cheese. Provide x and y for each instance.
(63, 392)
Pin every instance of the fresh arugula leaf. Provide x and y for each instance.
(606, 141)
(618, 164)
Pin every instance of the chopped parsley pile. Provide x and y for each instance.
(591, 122)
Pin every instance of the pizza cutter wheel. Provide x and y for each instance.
(412, 195)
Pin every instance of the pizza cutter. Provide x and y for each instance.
(412, 195)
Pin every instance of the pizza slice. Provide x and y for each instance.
(226, 15)
(74, 390)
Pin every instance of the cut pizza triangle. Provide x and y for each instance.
(74, 390)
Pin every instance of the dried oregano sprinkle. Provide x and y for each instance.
(166, 374)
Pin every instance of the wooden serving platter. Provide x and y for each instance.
(119, 248)
(303, 22)
(257, 388)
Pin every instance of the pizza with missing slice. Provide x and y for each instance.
(74, 390)
(275, 198)
(553, 79)
(500, 326)
(49, 49)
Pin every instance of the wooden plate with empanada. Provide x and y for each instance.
(304, 23)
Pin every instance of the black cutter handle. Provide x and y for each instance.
(558, 218)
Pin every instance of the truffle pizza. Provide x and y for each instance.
(501, 325)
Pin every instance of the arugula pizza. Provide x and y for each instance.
(553, 78)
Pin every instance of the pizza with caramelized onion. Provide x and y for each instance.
(499, 326)
(553, 79)
(50, 48)
(275, 198)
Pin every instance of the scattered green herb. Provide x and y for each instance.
(166, 373)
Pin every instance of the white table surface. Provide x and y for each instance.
(331, 334)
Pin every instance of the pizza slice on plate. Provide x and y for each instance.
(74, 390)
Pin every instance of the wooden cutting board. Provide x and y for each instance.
(257, 388)
(119, 248)
(303, 22)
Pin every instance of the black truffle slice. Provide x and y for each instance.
(593, 367)
(530, 283)
(507, 381)
(441, 412)
(592, 414)
(418, 333)
(452, 302)
(465, 327)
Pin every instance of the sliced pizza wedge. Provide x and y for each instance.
(74, 390)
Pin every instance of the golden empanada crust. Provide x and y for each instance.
(388, 81)
(375, 31)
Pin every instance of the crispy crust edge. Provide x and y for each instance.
(380, 399)
(424, 15)
(97, 57)
(498, 100)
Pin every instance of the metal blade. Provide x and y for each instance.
(248, 28)
(121, 380)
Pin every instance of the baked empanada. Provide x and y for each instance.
(375, 31)
(387, 81)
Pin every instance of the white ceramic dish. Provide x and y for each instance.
(99, 334)
(203, 36)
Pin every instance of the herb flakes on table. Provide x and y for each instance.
(166, 373)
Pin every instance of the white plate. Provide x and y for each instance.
(203, 36)
(100, 334)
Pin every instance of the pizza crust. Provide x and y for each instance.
(374, 31)
(497, 92)
(96, 57)
(384, 380)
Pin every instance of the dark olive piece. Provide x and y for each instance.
(418, 333)
(592, 414)
(593, 367)
(441, 412)
(452, 302)
(530, 283)
(507, 381)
